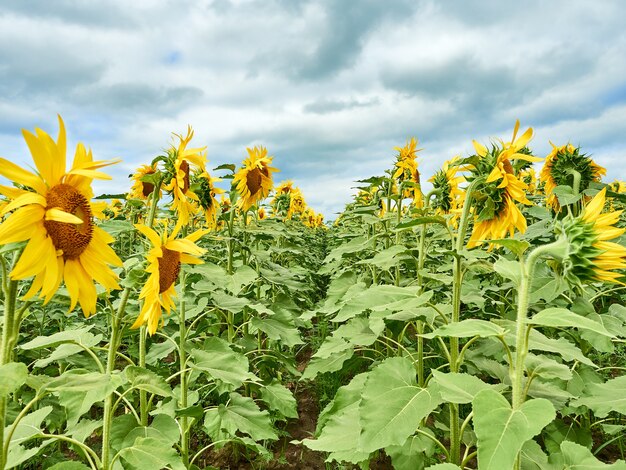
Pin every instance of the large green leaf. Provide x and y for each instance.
(606, 397)
(467, 329)
(221, 363)
(577, 457)
(144, 379)
(459, 388)
(14, 375)
(387, 258)
(361, 331)
(279, 398)
(561, 317)
(276, 329)
(502, 431)
(377, 297)
(79, 335)
(392, 404)
(150, 453)
(241, 414)
(412, 454)
(29, 426)
(332, 363)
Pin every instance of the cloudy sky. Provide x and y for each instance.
(328, 86)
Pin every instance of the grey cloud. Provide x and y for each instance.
(325, 106)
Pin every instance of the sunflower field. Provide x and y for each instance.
(480, 325)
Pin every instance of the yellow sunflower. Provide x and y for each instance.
(55, 215)
(207, 198)
(591, 256)
(496, 211)
(446, 182)
(179, 165)
(406, 169)
(254, 178)
(559, 167)
(142, 189)
(297, 205)
(529, 178)
(164, 260)
(261, 214)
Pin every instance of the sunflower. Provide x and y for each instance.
(207, 192)
(591, 256)
(261, 214)
(164, 260)
(496, 211)
(297, 205)
(446, 184)
(54, 214)
(559, 168)
(142, 189)
(178, 165)
(254, 178)
(529, 178)
(406, 171)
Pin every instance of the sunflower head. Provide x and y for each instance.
(261, 214)
(529, 178)
(406, 172)
(445, 182)
(52, 211)
(497, 214)
(563, 166)
(207, 197)
(297, 205)
(180, 163)
(253, 181)
(141, 188)
(591, 256)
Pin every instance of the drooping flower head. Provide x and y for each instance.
(529, 178)
(142, 189)
(261, 214)
(178, 166)
(52, 210)
(448, 197)
(297, 205)
(591, 256)
(164, 260)
(496, 212)
(559, 170)
(207, 197)
(253, 181)
(406, 170)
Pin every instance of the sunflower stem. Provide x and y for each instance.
(184, 424)
(398, 218)
(455, 435)
(107, 418)
(9, 335)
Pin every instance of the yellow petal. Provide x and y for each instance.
(150, 234)
(18, 174)
(61, 216)
(20, 225)
(23, 200)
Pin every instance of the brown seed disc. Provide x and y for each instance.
(147, 188)
(254, 179)
(508, 168)
(184, 166)
(169, 267)
(72, 239)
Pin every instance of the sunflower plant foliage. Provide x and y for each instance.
(238, 329)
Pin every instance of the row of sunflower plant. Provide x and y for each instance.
(480, 325)
(129, 385)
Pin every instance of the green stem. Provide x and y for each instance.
(107, 418)
(184, 439)
(398, 218)
(9, 336)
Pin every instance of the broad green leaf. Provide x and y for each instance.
(547, 368)
(69, 465)
(279, 398)
(502, 431)
(518, 247)
(14, 375)
(150, 453)
(241, 414)
(374, 298)
(332, 363)
(337, 288)
(392, 404)
(537, 341)
(508, 269)
(221, 363)
(339, 427)
(443, 466)
(29, 426)
(561, 317)
(577, 457)
(159, 351)
(412, 454)
(19, 454)
(79, 335)
(276, 330)
(459, 388)
(163, 428)
(388, 258)
(144, 379)
(331, 345)
(534, 458)
(467, 329)
(60, 352)
(420, 221)
(361, 331)
(84, 429)
(606, 397)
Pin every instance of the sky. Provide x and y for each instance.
(330, 87)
